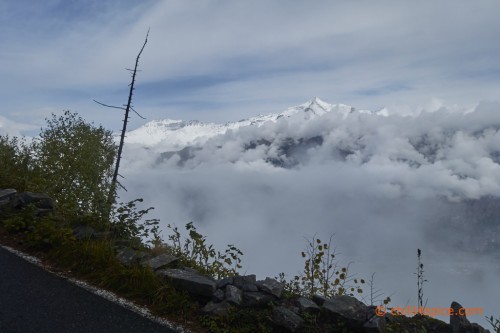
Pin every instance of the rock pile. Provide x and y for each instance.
(10, 198)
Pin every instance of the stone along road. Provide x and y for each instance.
(34, 300)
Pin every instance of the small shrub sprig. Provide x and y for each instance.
(494, 322)
(126, 224)
(196, 253)
(322, 273)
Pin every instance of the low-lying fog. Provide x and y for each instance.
(384, 186)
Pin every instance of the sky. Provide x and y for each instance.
(220, 61)
(227, 60)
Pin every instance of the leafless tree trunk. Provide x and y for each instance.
(127, 109)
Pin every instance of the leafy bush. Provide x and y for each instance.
(19, 221)
(196, 253)
(74, 160)
(16, 164)
(127, 225)
(47, 233)
(322, 273)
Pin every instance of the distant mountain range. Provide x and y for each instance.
(180, 133)
(182, 139)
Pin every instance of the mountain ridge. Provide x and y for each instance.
(181, 133)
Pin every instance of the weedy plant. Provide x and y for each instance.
(127, 223)
(376, 293)
(420, 278)
(195, 252)
(322, 274)
(494, 322)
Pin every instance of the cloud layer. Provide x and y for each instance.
(384, 185)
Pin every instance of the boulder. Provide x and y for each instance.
(7, 194)
(256, 298)
(286, 318)
(271, 286)
(218, 296)
(460, 323)
(160, 261)
(130, 257)
(306, 305)
(319, 300)
(189, 281)
(240, 281)
(224, 282)
(249, 287)
(348, 308)
(40, 200)
(217, 309)
(375, 324)
(234, 295)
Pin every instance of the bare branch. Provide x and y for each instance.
(109, 106)
(131, 108)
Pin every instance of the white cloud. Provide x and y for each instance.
(407, 184)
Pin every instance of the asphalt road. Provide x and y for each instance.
(33, 300)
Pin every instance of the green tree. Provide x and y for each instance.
(74, 161)
(15, 164)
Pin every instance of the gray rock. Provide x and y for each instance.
(319, 300)
(306, 305)
(40, 200)
(460, 323)
(256, 298)
(240, 281)
(249, 287)
(218, 296)
(271, 286)
(189, 281)
(4, 203)
(286, 318)
(224, 282)
(348, 308)
(217, 309)
(234, 295)
(129, 257)
(160, 261)
(375, 324)
(7, 194)
(83, 232)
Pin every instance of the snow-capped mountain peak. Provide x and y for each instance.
(179, 133)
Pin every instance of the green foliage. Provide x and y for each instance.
(322, 273)
(16, 164)
(41, 232)
(20, 221)
(495, 323)
(74, 161)
(197, 254)
(127, 224)
(48, 232)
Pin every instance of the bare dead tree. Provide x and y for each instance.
(127, 107)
